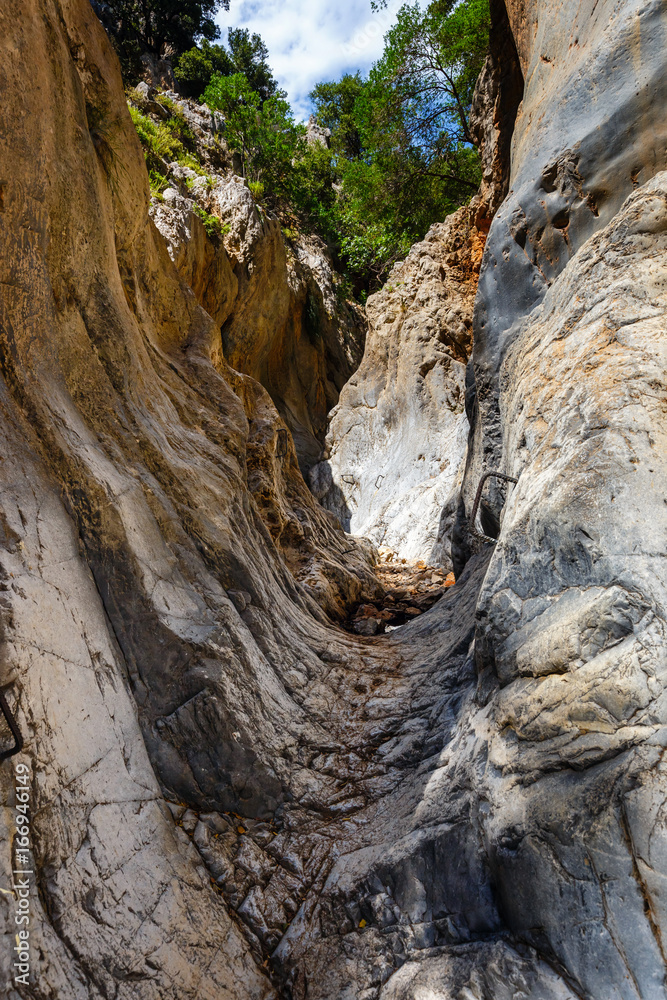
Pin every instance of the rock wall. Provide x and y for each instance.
(564, 395)
(282, 309)
(572, 613)
(142, 482)
(394, 453)
(230, 795)
(589, 132)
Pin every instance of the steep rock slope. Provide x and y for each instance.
(282, 309)
(395, 451)
(565, 395)
(573, 612)
(589, 132)
(230, 796)
(396, 443)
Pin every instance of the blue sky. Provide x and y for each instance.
(312, 40)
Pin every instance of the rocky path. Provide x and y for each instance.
(409, 589)
(309, 880)
(231, 795)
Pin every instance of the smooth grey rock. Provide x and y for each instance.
(471, 806)
(589, 131)
(396, 441)
(144, 90)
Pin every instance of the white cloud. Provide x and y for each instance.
(312, 40)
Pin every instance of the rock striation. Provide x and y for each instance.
(230, 795)
(282, 309)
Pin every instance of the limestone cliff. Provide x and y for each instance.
(280, 305)
(230, 795)
(393, 462)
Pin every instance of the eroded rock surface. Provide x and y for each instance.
(284, 317)
(230, 795)
(573, 611)
(396, 443)
(589, 131)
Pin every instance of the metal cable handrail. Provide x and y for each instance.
(478, 497)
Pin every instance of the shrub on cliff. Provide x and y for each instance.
(264, 133)
(194, 68)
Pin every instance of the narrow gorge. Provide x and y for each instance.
(209, 457)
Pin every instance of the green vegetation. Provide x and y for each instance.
(155, 26)
(247, 54)
(215, 227)
(264, 133)
(401, 154)
(164, 141)
(161, 144)
(400, 139)
(158, 182)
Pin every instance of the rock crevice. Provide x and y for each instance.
(231, 796)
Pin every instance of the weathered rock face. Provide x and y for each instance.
(588, 133)
(284, 318)
(572, 614)
(290, 327)
(396, 441)
(132, 544)
(496, 100)
(157, 72)
(203, 265)
(316, 134)
(230, 796)
(569, 344)
(395, 451)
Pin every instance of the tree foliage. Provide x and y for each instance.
(247, 54)
(401, 138)
(194, 68)
(263, 132)
(334, 105)
(157, 26)
(250, 56)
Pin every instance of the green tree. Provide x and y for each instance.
(401, 141)
(420, 92)
(334, 105)
(247, 54)
(194, 68)
(157, 26)
(263, 132)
